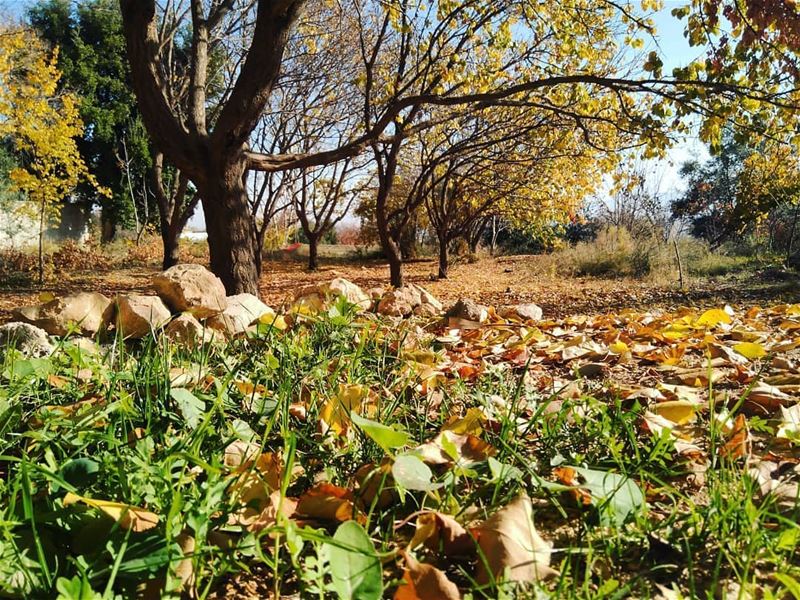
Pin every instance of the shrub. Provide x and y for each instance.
(18, 268)
(72, 257)
(615, 253)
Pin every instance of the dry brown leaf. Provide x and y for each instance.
(425, 582)
(327, 502)
(468, 448)
(442, 533)
(738, 443)
(508, 540)
(373, 479)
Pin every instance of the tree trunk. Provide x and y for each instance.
(443, 260)
(230, 228)
(108, 225)
(395, 267)
(170, 238)
(313, 251)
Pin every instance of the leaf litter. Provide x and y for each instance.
(421, 478)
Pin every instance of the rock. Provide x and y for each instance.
(84, 313)
(427, 298)
(400, 302)
(469, 310)
(137, 315)
(191, 288)
(376, 293)
(186, 329)
(524, 312)
(242, 311)
(315, 298)
(348, 290)
(426, 310)
(308, 299)
(86, 345)
(407, 300)
(27, 338)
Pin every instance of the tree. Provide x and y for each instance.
(322, 201)
(42, 126)
(709, 201)
(94, 68)
(562, 57)
(515, 163)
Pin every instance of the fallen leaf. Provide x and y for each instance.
(424, 582)
(442, 534)
(679, 412)
(327, 502)
(128, 517)
(713, 317)
(509, 541)
(750, 350)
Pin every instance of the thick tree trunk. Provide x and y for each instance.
(170, 239)
(313, 251)
(231, 235)
(108, 225)
(443, 259)
(395, 267)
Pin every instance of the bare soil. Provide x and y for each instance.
(492, 281)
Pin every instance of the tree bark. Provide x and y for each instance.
(231, 234)
(170, 238)
(443, 258)
(313, 251)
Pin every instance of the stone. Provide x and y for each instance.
(468, 309)
(85, 345)
(27, 338)
(376, 293)
(348, 290)
(427, 298)
(400, 302)
(427, 310)
(191, 288)
(242, 311)
(137, 315)
(84, 313)
(186, 329)
(524, 312)
(315, 298)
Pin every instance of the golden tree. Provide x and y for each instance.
(42, 127)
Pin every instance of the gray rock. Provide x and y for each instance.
(27, 338)
(400, 302)
(523, 312)
(186, 329)
(468, 309)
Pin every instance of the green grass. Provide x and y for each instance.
(134, 442)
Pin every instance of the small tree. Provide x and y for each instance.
(43, 128)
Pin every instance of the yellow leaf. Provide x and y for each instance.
(277, 321)
(472, 422)
(335, 413)
(46, 297)
(128, 517)
(713, 317)
(679, 412)
(619, 347)
(750, 350)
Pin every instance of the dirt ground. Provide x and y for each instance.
(492, 281)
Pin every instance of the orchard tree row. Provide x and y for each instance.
(464, 109)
